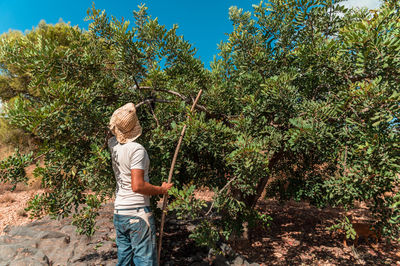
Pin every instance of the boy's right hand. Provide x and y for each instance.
(165, 187)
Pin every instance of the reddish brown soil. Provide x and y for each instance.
(298, 235)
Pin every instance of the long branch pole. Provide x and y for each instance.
(171, 170)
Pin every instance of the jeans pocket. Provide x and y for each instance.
(136, 225)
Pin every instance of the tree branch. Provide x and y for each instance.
(148, 103)
(183, 97)
(198, 107)
(150, 100)
(219, 192)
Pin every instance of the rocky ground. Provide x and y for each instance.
(52, 242)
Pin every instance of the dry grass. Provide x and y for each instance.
(5, 151)
(204, 193)
(35, 184)
(22, 213)
(4, 187)
(13, 213)
(7, 198)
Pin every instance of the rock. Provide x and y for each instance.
(110, 255)
(199, 256)
(211, 252)
(239, 261)
(7, 252)
(220, 261)
(6, 239)
(50, 242)
(68, 230)
(23, 231)
(37, 223)
(106, 246)
(80, 251)
(67, 239)
(78, 264)
(7, 228)
(51, 234)
(34, 254)
(27, 262)
(18, 255)
(172, 221)
(56, 250)
(190, 227)
(227, 250)
(202, 263)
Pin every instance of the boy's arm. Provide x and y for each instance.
(140, 186)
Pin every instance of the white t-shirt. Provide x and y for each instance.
(125, 157)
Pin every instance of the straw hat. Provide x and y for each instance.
(124, 124)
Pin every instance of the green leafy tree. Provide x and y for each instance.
(61, 85)
(303, 93)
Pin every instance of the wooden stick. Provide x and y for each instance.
(171, 170)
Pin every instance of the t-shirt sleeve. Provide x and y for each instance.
(138, 159)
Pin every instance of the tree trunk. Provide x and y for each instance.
(252, 199)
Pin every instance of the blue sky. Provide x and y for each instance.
(203, 23)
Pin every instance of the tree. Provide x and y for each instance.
(303, 93)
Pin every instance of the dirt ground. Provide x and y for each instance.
(12, 205)
(298, 235)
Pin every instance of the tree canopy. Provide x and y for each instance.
(301, 102)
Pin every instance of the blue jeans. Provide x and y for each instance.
(136, 238)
